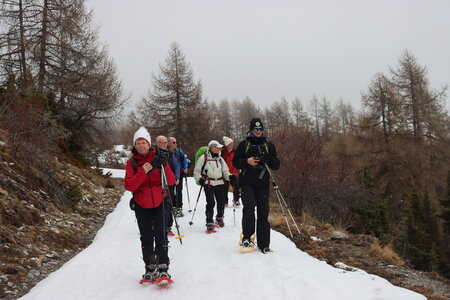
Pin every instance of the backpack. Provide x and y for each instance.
(247, 146)
(199, 153)
(202, 151)
(134, 164)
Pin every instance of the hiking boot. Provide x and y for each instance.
(150, 274)
(209, 227)
(163, 271)
(247, 244)
(164, 274)
(178, 212)
(169, 231)
(265, 250)
(220, 222)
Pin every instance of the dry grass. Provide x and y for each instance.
(320, 252)
(387, 253)
(277, 219)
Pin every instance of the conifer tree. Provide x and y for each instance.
(173, 95)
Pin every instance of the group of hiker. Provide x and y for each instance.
(155, 177)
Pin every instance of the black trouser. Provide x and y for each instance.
(256, 197)
(235, 185)
(179, 192)
(217, 192)
(169, 206)
(153, 234)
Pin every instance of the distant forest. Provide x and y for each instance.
(382, 171)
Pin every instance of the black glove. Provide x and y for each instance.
(265, 159)
(202, 181)
(160, 159)
(232, 178)
(132, 203)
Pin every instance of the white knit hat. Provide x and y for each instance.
(214, 143)
(227, 141)
(142, 133)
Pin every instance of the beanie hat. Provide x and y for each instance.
(142, 133)
(256, 122)
(214, 143)
(227, 141)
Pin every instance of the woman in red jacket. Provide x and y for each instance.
(145, 183)
(228, 154)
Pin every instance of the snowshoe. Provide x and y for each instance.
(163, 275)
(247, 245)
(210, 228)
(164, 281)
(220, 223)
(150, 276)
(169, 231)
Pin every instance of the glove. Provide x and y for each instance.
(232, 178)
(202, 181)
(132, 203)
(265, 159)
(159, 160)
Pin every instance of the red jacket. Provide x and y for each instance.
(146, 187)
(228, 157)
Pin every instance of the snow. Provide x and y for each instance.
(205, 266)
(115, 173)
(118, 154)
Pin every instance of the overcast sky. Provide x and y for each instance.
(272, 49)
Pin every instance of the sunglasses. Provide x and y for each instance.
(258, 129)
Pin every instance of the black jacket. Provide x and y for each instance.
(255, 147)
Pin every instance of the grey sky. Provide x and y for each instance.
(270, 49)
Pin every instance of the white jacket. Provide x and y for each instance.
(215, 169)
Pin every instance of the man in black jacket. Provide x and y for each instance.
(251, 158)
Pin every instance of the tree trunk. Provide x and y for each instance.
(23, 62)
(43, 46)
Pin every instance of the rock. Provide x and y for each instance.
(345, 267)
(52, 255)
(33, 273)
(37, 260)
(337, 235)
(310, 229)
(3, 192)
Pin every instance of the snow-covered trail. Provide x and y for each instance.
(205, 266)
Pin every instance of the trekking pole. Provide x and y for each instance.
(234, 216)
(280, 200)
(187, 190)
(164, 183)
(166, 241)
(195, 208)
